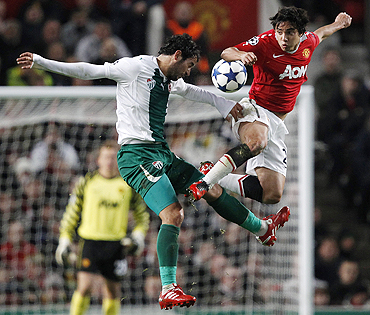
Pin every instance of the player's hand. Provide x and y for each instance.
(25, 60)
(134, 244)
(344, 19)
(236, 112)
(62, 250)
(248, 58)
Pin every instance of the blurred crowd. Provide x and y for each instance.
(91, 33)
(339, 279)
(342, 97)
(36, 177)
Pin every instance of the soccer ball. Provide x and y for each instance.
(229, 76)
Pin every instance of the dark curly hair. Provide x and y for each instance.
(296, 16)
(185, 43)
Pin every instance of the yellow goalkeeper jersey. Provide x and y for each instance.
(99, 207)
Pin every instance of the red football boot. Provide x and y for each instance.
(198, 189)
(275, 222)
(175, 297)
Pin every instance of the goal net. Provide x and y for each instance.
(49, 137)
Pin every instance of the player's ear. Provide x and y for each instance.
(178, 55)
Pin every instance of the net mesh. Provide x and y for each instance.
(219, 262)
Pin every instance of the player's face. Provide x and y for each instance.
(287, 36)
(181, 68)
(107, 162)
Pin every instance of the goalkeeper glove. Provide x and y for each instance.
(62, 250)
(134, 244)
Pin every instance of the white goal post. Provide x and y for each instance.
(277, 280)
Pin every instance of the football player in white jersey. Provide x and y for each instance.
(145, 160)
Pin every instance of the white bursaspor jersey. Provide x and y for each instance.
(142, 98)
(142, 94)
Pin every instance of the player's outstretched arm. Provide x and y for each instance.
(80, 70)
(232, 54)
(343, 20)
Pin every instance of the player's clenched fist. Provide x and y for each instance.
(344, 18)
(25, 60)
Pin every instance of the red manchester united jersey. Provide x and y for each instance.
(278, 75)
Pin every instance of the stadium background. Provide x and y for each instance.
(20, 138)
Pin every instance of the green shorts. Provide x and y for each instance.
(142, 166)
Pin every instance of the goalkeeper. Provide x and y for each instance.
(100, 204)
(280, 58)
(145, 161)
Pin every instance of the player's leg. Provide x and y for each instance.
(272, 184)
(267, 187)
(232, 210)
(81, 297)
(113, 267)
(225, 205)
(268, 168)
(111, 297)
(254, 135)
(244, 185)
(252, 131)
(144, 168)
(162, 199)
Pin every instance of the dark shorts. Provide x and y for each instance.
(104, 257)
(144, 166)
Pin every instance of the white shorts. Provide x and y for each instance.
(274, 156)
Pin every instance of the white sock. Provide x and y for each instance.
(263, 229)
(234, 183)
(224, 166)
(167, 287)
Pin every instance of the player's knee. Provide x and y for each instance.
(255, 137)
(271, 197)
(178, 217)
(256, 145)
(173, 214)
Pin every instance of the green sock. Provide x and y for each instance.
(168, 251)
(252, 223)
(232, 210)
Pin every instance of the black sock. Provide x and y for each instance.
(252, 188)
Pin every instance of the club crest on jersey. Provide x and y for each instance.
(151, 83)
(158, 164)
(306, 53)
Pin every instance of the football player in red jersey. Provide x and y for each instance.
(280, 58)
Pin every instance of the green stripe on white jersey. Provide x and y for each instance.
(142, 98)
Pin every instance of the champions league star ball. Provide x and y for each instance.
(229, 76)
